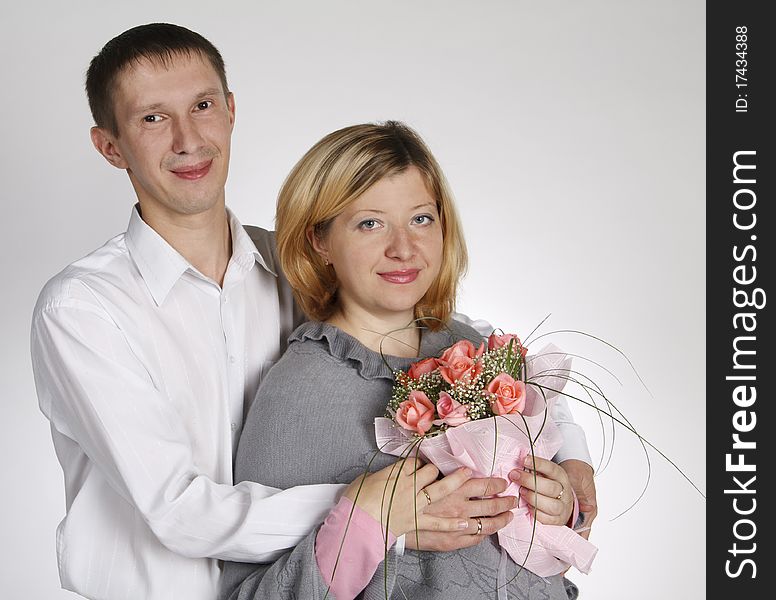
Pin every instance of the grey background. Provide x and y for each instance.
(572, 132)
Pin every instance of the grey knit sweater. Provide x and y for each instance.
(313, 422)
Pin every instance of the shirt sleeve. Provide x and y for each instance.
(96, 392)
(349, 545)
(349, 548)
(574, 440)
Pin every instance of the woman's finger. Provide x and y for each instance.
(545, 467)
(484, 486)
(424, 476)
(545, 504)
(440, 524)
(535, 482)
(491, 506)
(490, 525)
(547, 518)
(437, 490)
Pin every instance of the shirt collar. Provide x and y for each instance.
(244, 250)
(161, 266)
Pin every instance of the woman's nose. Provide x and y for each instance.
(400, 244)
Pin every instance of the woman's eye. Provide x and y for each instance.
(422, 219)
(368, 224)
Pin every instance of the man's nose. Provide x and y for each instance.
(186, 137)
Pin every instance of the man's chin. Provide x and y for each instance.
(182, 207)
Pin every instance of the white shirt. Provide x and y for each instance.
(145, 369)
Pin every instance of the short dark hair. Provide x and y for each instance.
(160, 42)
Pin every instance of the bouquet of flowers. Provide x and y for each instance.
(488, 410)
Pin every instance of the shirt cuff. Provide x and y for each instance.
(572, 524)
(353, 543)
(574, 444)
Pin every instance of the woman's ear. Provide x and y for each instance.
(318, 244)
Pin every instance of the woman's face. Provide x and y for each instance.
(386, 247)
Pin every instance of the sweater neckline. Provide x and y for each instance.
(370, 364)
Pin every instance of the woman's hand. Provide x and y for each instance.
(399, 496)
(546, 489)
(474, 501)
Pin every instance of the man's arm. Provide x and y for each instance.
(96, 392)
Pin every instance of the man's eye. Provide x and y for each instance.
(152, 118)
(204, 105)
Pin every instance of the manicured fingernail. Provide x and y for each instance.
(528, 462)
(463, 525)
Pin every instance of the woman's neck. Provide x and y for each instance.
(393, 335)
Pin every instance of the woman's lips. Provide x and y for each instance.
(405, 276)
(194, 171)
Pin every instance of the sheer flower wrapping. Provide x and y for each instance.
(496, 445)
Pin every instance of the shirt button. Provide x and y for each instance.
(234, 426)
(232, 359)
(224, 299)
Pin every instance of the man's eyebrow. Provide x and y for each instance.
(147, 109)
(213, 91)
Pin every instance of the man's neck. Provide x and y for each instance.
(204, 239)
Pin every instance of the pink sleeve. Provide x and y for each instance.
(362, 552)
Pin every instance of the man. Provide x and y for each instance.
(148, 351)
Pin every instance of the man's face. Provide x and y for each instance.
(174, 132)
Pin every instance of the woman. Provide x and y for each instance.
(369, 240)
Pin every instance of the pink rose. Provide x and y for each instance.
(497, 341)
(416, 413)
(507, 396)
(459, 362)
(450, 411)
(423, 367)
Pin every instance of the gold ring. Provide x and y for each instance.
(425, 493)
(562, 489)
(479, 525)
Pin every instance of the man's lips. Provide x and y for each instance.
(403, 276)
(192, 172)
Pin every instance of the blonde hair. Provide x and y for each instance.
(332, 175)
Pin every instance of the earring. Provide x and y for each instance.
(326, 261)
